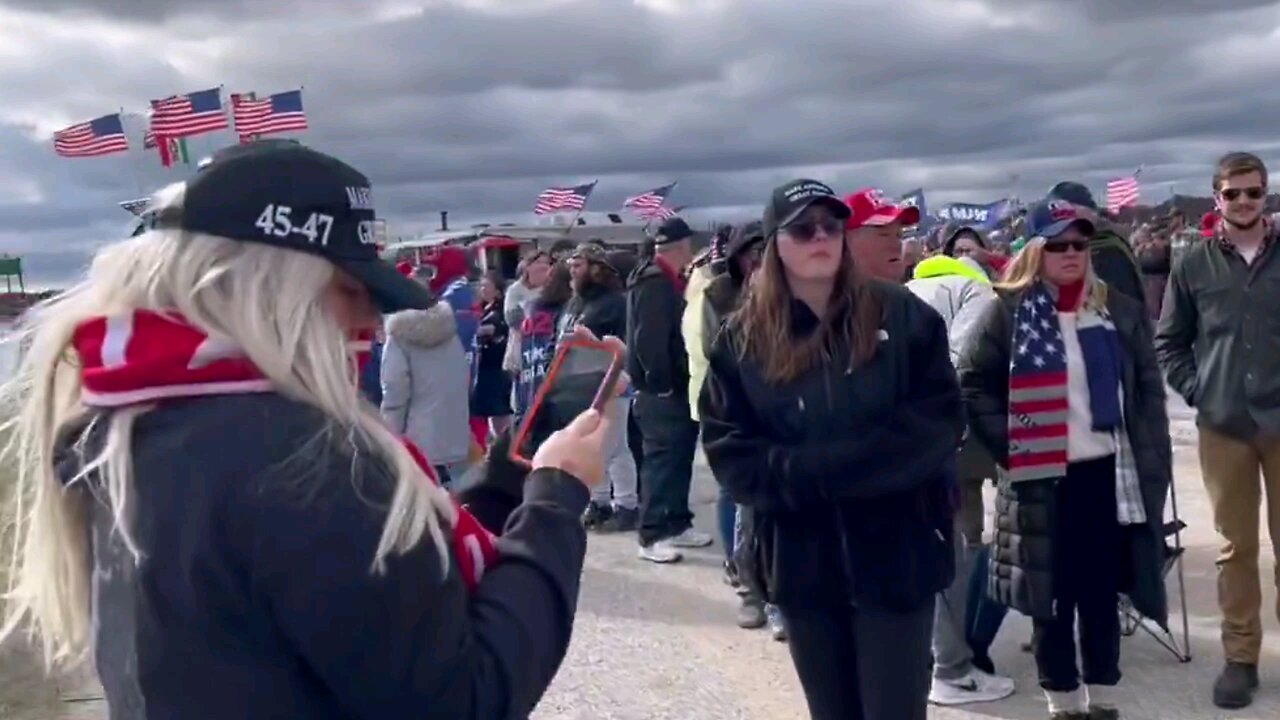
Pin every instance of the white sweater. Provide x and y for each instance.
(1083, 443)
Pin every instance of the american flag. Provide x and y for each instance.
(103, 136)
(1037, 391)
(191, 114)
(278, 113)
(649, 205)
(1123, 192)
(559, 199)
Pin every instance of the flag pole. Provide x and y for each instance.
(574, 222)
(134, 160)
(651, 218)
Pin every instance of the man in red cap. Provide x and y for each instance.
(874, 233)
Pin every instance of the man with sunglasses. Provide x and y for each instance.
(1218, 340)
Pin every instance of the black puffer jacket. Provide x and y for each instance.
(1021, 575)
(845, 470)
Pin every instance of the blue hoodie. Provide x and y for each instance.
(462, 299)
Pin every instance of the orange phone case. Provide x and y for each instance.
(606, 388)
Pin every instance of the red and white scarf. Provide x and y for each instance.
(144, 356)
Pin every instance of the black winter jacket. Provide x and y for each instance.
(255, 596)
(599, 309)
(657, 361)
(844, 469)
(1021, 575)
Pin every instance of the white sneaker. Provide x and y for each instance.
(975, 687)
(662, 551)
(691, 539)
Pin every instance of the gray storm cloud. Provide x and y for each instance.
(458, 108)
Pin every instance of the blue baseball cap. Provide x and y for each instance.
(1050, 218)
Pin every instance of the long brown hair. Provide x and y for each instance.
(850, 326)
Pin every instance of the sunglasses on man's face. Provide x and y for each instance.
(1061, 246)
(1253, 193)
(807, 230)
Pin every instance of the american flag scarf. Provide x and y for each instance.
(1038, 396)
(1037, 390)
(144, 356)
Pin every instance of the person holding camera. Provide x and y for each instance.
(220, 517)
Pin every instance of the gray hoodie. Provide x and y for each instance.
(426, 383)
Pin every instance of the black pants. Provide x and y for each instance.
(635, 441)
(670, 441)
(862, 663)
(1089, 548)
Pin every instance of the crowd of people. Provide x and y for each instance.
(376, 553)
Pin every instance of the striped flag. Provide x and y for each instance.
(1123, 192)
(278, 113)
(649, 205)
(186, 115)
(1037, 391)
(559, 199)
(102, 136)
(172, 150)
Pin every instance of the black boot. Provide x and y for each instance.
(1235, 686)
(596, 515)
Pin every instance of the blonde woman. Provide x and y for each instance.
(1061, 385)
(207, 503)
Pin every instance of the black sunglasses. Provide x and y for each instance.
(1254, 193)
(1063, 245)
(807, 230)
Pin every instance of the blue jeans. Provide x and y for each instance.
(983, 616)
(726, 515)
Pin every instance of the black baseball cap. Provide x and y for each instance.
(285, 194)
(673, 230)
(1074, 193)
(790, 200)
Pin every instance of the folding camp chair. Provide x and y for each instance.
(1131, 621)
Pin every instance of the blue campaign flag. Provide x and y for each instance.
(915, 198)
(986, 217)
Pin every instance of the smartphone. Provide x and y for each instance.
(584, 374)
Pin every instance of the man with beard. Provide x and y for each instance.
(1112, 257)
(658, 366)
(1218, 341)
(598, 304)
(874, 233)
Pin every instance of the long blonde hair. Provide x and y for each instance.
(1025, 269)
(270, 301)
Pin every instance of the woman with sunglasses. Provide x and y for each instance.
(1061, 385)
(831, 409)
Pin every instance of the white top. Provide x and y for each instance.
(1083, 443)
(1249, 253)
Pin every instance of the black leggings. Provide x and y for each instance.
(862, 663)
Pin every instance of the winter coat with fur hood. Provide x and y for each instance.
(425, 382)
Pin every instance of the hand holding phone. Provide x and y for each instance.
(578, 448)
(585, 375)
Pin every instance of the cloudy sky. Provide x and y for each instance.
(476, 105)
